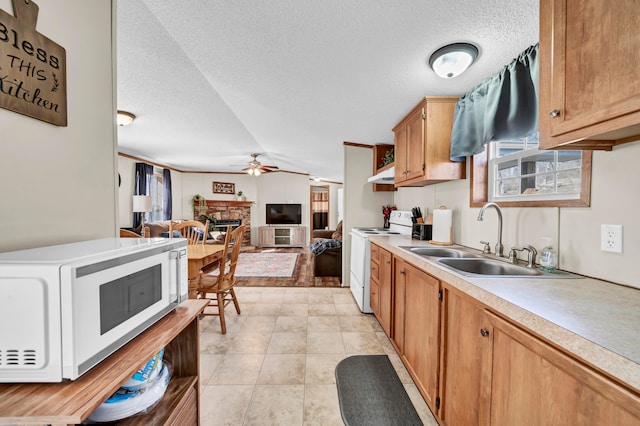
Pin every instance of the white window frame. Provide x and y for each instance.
(155, 189)
(528, 148)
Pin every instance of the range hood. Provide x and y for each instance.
(386, 176)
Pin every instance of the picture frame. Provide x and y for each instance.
(224, 188)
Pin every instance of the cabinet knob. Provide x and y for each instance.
(554, 113)
(401, 272)
(484, 332)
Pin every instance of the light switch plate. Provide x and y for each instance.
(611, 238)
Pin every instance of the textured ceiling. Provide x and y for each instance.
(213, 81)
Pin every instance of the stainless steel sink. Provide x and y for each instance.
(491, 268)
(441, 252)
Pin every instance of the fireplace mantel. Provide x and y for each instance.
(225, 203)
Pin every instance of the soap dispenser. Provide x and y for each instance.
(548, 257)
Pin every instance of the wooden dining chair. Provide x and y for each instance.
(218, 288)
(194, 231)
(125, 233)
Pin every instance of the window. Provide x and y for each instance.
(519, 171)
(515, 173)
(156, 191)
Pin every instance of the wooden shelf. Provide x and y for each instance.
(72, 402)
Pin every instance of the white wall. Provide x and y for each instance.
(575, 232)
(58, 184)
(362, 206)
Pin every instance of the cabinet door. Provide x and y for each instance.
(415, 142)
(465, 349)
(533, 383)
(588, 70)
(374, 277)
(400, 153)
(422, 331)
(437, 145)
(399, 286)
(385, 290)
(266, 236)
(298, 236)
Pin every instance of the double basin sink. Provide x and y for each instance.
(476, 265)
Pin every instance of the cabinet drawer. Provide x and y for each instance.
(375, 253)
(375, 271)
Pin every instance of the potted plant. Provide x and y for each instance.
(241, 196)
(212, 220)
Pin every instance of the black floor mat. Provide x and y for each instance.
(371, 393)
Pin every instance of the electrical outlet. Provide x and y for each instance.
(611, 238)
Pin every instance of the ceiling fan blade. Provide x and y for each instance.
(269, 167)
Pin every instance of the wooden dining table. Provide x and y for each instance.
(201, 255)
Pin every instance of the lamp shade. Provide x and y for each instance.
(452, 60)
(141, 203)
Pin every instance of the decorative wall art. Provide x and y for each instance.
(224, 188)
(33, 74)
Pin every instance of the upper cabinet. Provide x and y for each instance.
(589, 62)
(422, 144)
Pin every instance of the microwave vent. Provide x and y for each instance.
(13, 358)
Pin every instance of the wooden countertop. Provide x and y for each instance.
(592, 319)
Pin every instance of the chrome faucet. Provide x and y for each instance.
(499, 246)
(531, 255)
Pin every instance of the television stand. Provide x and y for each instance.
(282, 236)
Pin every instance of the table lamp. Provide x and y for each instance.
(142, 205)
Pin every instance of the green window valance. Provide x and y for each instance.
(504, 106)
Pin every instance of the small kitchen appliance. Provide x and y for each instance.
(65, 308)
(422, 231)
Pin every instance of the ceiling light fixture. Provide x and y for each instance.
(125, 118)
(453, 59)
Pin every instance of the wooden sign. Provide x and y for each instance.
(224, 188)
(33, 74)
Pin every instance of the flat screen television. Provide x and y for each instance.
(284, 214)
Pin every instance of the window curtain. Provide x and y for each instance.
(144, 172)
(166, 198)
(504, 106)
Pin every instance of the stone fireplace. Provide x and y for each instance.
(227, 211)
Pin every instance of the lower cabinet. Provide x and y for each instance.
(282, 236)
(421, 328)
(381, 291)
(465, 349)
(474, 367)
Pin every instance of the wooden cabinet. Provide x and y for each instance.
(380, 293)
(465, 347)
(533, 383)
(421, 328)
(422, 144)
(282, 236)
(589, 87)
(73, 402)
(379, 154)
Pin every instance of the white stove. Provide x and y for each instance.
(400, 223)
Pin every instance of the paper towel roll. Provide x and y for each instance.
(442, 226)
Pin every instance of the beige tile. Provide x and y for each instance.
(347, 309)
(259, 324)
(420, 405)
(374, 322)
(291, 324)
(387, 346)
(272, 297)
(288, 343)
(321, 368)
(325, 343)
(276, 405)
(213, 342)
(208, 364)
(237, 369)
(247, 294)
(317, 296)
(321, 406)
(294, 309)
(355, 323)
(234, 398)
(321, 324)
(322, 309)
(250, 342)
(361, 343)
(282, 369)
(296, 298)
(343, 298)
(401, 370)
(266, 309)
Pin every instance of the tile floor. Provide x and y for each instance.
(275, 365)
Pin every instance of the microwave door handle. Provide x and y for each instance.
(177, 255)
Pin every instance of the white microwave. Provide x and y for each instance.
(65, 308)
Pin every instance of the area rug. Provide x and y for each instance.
(370, 393)
(266, 264)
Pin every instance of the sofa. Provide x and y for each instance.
(326, 247)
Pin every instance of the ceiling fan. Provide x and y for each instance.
(256, 168)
